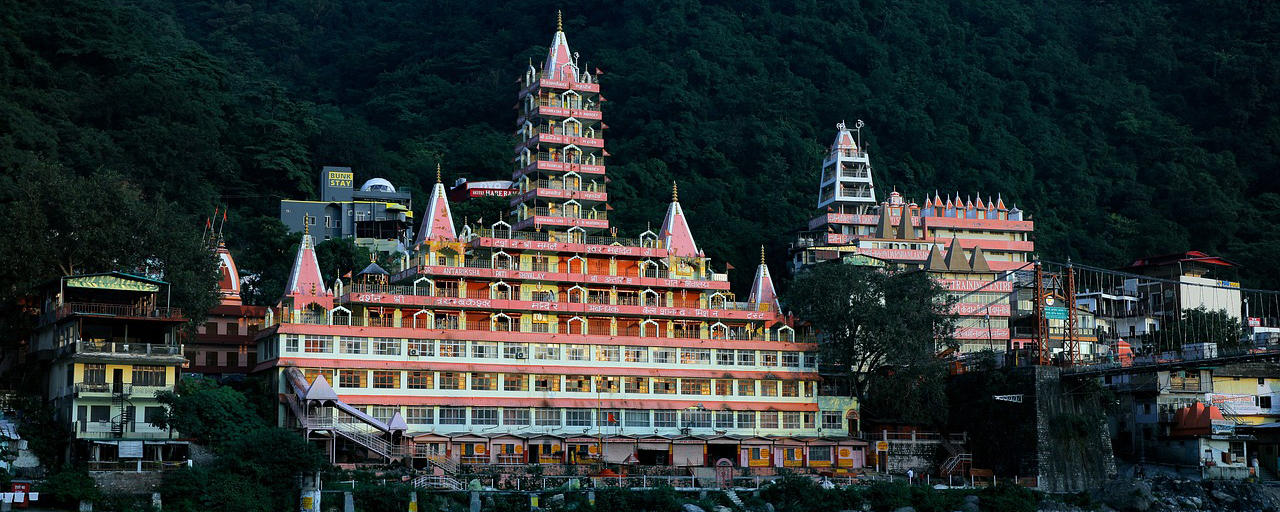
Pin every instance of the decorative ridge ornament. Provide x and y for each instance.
(559, 21)
(675, 192)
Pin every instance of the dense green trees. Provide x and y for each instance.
(256, 463)
(884, 328)
(1124, 127)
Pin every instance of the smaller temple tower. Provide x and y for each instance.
(846, 185)
(560, 153)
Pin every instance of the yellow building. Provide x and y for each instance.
(108, 347)
(1246, 393)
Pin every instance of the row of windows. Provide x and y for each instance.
(635, 418)
(548, 351)
(143, 375)
(480, 381)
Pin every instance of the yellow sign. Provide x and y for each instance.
(341, 179)
(307, 503)
(882, 446)
(112, 283)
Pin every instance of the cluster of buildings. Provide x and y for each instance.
(547, 338)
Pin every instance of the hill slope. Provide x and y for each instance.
(1124, 127)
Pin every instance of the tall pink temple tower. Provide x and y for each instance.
(560, 156)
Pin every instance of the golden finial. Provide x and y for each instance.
(306, 225)
(438, 172)
(675, 192)
(762, 255)
(559, 21)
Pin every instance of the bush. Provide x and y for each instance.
(1009, 498)
(888, 495)
(68, 487)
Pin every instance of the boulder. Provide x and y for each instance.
(1222, 496)
(971, 499)
(768, 507)
(689, 507)
(970, 506)
(1126, 495)
(905, 509)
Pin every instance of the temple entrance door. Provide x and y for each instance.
(724, 473)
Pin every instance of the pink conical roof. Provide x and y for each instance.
(844, 139)
(559, 64)
(305, 277)
(228, 277)
(762, 286)
(1000, 203)
(675, 230)
(437, 221)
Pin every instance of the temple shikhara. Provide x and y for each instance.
(548, 338)
(969, 245)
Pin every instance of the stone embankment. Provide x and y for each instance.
(1166, 494)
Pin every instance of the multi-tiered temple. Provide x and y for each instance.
(967, 244)
(545, 340)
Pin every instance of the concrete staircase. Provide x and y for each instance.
(734, 498)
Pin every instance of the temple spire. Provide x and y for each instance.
(228, 277)
(305, 278)
(955, 257)
(762, 291)
(560, 64)
(675, 229)
(437, 221)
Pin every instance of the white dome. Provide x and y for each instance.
(377, 185)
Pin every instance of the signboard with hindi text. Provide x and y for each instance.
(112, 282)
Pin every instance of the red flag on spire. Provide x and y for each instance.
(598, 72)
(728, 266)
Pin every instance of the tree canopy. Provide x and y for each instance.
(885, 329)
(1125, 128)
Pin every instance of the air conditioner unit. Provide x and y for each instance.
(413, 351)
(522, 355)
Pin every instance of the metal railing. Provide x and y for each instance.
(130, 310)
(437, 482)
(104, 387)
(563, 185)
(571, 105)
(127, 348)
(571, 213)
(135, 465)
(358, 432)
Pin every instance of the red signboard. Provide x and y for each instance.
(1255, 322)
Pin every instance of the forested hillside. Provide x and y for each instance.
(1124, 127)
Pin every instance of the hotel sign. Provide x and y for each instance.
(338, 179)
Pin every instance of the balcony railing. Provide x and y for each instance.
(128, 310)
(104, 387)
(508, 234)
(127, 348)
(570, 186)
(569, 213)
(560, 130)
(570, 158)
(572, 105)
